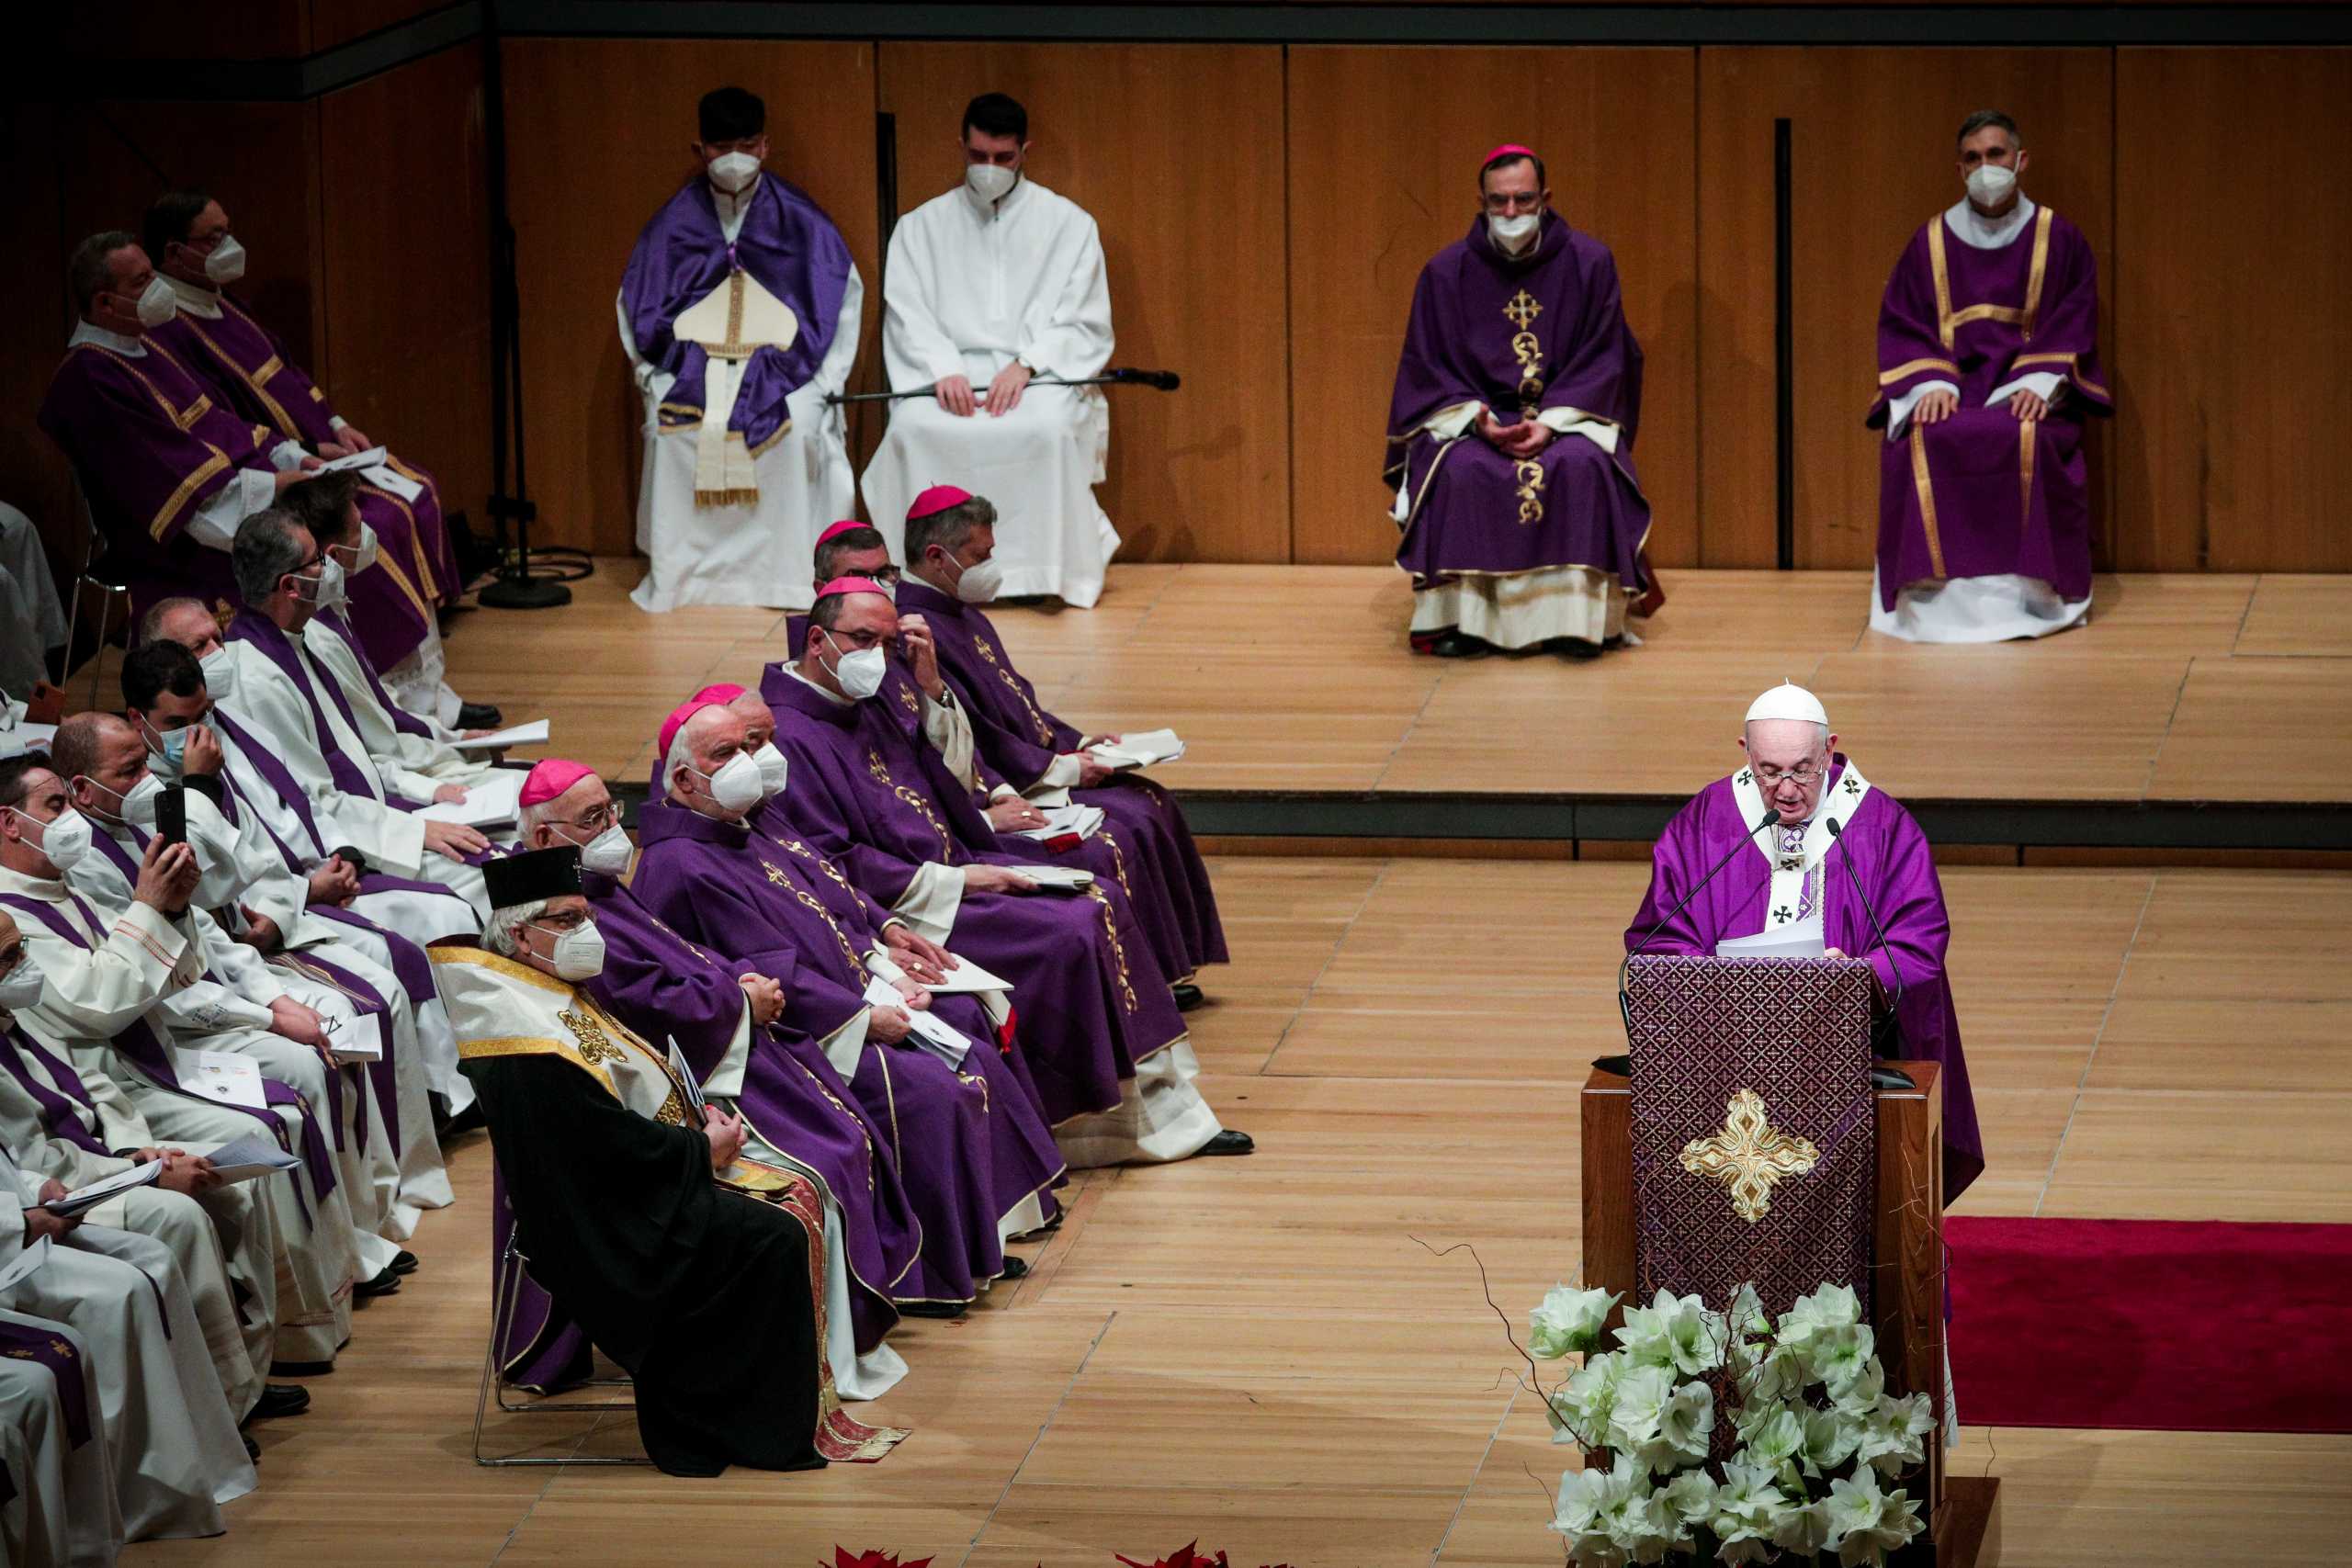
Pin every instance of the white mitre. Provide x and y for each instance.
(1788, 700)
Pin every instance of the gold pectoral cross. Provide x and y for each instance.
(1522, 310)
(1748, 1155)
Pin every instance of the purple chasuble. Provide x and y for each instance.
(787, 244)
(151, 446)
(1093, 999)
(1519, 335)
(1891, 859)
(969, 1143)
(1982, 493)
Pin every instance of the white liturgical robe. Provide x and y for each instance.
(970, 288)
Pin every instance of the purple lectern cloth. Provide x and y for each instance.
(1980, 493)
(788, 243)
(1892, 860)
(1518, 335)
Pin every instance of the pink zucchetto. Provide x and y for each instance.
(550, 779)
(938, 498)
(677, 721)
(721, 694)
(834, 531)
(852, 585)
(1508, 150)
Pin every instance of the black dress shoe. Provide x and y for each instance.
(931, 1309)
(1454, 645)
(1230, 1142)
(403, 1262)
(1188, 996)
(278, 1399)
(1014, 1268)
(1574, 647)
(253, 1450)
(383, 1284)
(478, 716)
(301, 1369)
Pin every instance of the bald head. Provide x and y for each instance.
(704, 744)
(183, 621)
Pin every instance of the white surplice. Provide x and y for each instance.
(34, 622)
(970, 288)
(64, 1513)
(414, 765)
(175, 1452)
(740, 552)
(134, 960)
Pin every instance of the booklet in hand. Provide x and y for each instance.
(250, 1156)
(84, 1199)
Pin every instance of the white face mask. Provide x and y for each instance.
(579, 954)
(774, 768)
(63, 840)
(735, 786)
(334, 587)
(989, 182)
(157, 303)
(978, 585)
(1512, 233)
(860, 673)
(227, 262)
(607, 853)
(734, 172)
(1989, 185)
(364, 552)
(20, 988)
(220, 674)
(137, 806)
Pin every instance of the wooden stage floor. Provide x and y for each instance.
(2182, 688)
(1265, 1354)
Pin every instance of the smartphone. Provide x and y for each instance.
(171, 814)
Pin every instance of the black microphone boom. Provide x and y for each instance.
(1118, 376)
(1838, 832)
(1771, 819)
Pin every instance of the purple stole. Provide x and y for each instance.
(266, 635)
(404, 721)
(288, 790)
(24, 1342)
(138, 1041)
(60, 1113)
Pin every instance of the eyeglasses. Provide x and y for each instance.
(595, 822)
(1802, 775)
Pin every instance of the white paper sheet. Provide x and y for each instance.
(375, 456)
(250, 1156)
(106, 1187)
(221, 1074)
(26, 1263)
(488, 804)
(1060, 820)
(1061, 878)
(941, 1040)
(1796, 941)
(687, 1077)
(532, 734)
(359, 1039)
(1141, 750)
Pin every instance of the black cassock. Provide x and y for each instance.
(701, 1294)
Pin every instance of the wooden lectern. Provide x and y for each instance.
(1905, 1268)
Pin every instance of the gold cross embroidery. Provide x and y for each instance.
(1522, 310)
(810, 902)
(594, 1046)
(1748, 1155)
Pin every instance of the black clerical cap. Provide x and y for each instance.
(531, 877)
(731, 114)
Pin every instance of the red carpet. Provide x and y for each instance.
(2192, 1328)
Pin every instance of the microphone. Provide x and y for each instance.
(1160, 380)
(1838, 832)
(1771, 819)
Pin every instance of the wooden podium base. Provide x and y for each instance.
(1968, 1527)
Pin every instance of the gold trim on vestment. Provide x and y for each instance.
(1912, 368)
(1943, 278)
(2027, 430)
(535, 1046)
(1949, 322)
(499, 963)
(1118, 948)
(1926, 499)
(194, 410)
(251, 379)
(2041, 264)
(2022, 360)
(1426, 479)
(188, 487)
(781, 432)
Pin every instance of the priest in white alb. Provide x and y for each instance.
(995, 282)
(740, 314)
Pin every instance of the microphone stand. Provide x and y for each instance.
(1771, 819)
(1158, 380)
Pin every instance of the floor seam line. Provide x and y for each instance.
(1410, 725)
(1265, 1068)
(2082, 1085)
(1042, 1427)
(2245, 615)
(555, 1474)
(2172, 716)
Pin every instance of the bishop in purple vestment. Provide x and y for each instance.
(1828, 813)
(249, 368)
(1511, 435)
(970, 1143)
(169, 469)
(952, 571)
(1987, 367)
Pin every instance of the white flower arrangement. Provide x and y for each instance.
(1814, 1435)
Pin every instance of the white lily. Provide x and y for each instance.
(1568, 1319)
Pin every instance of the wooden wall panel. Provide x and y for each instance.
(174, 30)
(406, 281)
(599, 130)
(2232, 323)
(334, 22)
(1872, 160)
(1374, 194)
(1177, 151)
(32, 333)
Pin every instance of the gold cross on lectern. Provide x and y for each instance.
(1522, 310)
(1748, 1155)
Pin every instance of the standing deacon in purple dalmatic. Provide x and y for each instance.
(739, 313)
(1828, 810)
(1987, 365)
(1511, 435)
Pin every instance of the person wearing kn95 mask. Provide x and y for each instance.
(1988, 364)
(167, 468)
(1511, 435)
(740, 314)
(987, 286)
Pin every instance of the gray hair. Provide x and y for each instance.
(1984, 118)
(266, 551)
(949, 526)
(89, 272)
(528, 819)
(151, 624)
(498, 931)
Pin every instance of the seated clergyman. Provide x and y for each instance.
(699, 1272)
